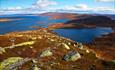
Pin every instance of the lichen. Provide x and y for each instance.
(66, 46)
(20, 44)
(2, 50)
(26, 43)
(46, 52)
(6, 63)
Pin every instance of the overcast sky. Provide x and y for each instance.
(35, 6)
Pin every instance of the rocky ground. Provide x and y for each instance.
(45, 50)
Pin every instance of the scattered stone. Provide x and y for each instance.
(34, 38)
(39, 37)
(18, 63)
(52, 40)
(31, 47)
(45, 31)
(13, 41)
(69, 43)
(75, 44)
(35, 67)
(12, 63)
(72, 56)
(6, 63)
(46, 52)
(87, 51)
(66, 46)
(34, 61)
(80, 46)
(2, 50)
(19, 35)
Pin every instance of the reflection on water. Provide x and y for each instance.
(80, 35)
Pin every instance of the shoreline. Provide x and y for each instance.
(44, 49)
(104, 46)
(9, 19)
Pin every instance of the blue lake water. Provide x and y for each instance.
(83, 35)
(26, 21)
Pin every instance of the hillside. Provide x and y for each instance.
(87, 22)
(45, 50)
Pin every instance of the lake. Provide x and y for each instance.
(26, 21)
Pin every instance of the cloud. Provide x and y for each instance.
(86, 8)
(20, 10)
(13, 8)
(105, 0)
(104, 9)
(41, 6)
(83, 7)
(44, 3)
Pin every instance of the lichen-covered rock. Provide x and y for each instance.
(80, 46)
(66, 46)
(35, 67)
(6, 63)
(12, 63)
(2, 50)
(46, 52)
(72, 56)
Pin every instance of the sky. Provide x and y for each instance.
(41, 6)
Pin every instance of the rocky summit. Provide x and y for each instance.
(45, 50)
